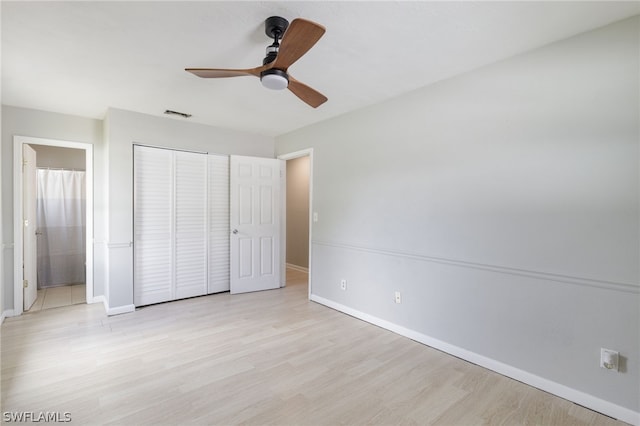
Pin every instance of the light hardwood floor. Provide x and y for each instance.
(270, 357)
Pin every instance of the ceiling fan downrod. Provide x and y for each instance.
(274, 27)
(272, 52)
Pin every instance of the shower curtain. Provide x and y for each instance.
(61, 227)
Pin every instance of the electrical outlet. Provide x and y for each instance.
(398, 298)
(343, 284)
(609, 359)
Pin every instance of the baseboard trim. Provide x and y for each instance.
(117, 310)
(581, 398)
(6, 314)
(98, 299)
(297, 268)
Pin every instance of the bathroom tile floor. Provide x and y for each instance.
(55, 297)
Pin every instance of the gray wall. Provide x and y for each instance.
(57, 157)
(503, 204)
(298, 212)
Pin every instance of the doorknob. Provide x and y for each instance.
(235, 231)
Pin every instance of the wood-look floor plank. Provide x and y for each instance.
(268, 358)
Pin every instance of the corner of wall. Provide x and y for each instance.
(606, 407)
(117, 310)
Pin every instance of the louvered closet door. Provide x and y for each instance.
(153, 240)
(171, 225)
(218, 223)
(190, 224)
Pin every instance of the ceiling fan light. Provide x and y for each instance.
(274, 79)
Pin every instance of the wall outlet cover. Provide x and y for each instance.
(609, 359)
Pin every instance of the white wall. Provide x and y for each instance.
(503, 204)
(47, 125)
(122, 130)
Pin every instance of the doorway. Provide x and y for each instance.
(60, 227)
(62, 160)
(297, 208)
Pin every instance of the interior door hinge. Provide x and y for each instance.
(25, 283)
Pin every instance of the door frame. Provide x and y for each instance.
(308, 152)
(18, 260)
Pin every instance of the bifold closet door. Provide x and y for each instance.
(218, 223)
(170, 196)
(190, 224)
(153, 220)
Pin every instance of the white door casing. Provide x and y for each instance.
(255, 222)
(18, 192)
(30, 254)
(283, 216)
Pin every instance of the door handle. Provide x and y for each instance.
(235, 231)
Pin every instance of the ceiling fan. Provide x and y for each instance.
(290, 42)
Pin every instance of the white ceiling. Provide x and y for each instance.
(82, 57)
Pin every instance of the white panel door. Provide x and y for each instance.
(218, 223)
(30, 267)
(153, 239)
(254, 223)
(190, 224)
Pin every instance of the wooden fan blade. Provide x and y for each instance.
(223, 73)
(300, 36)
(305, 93)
